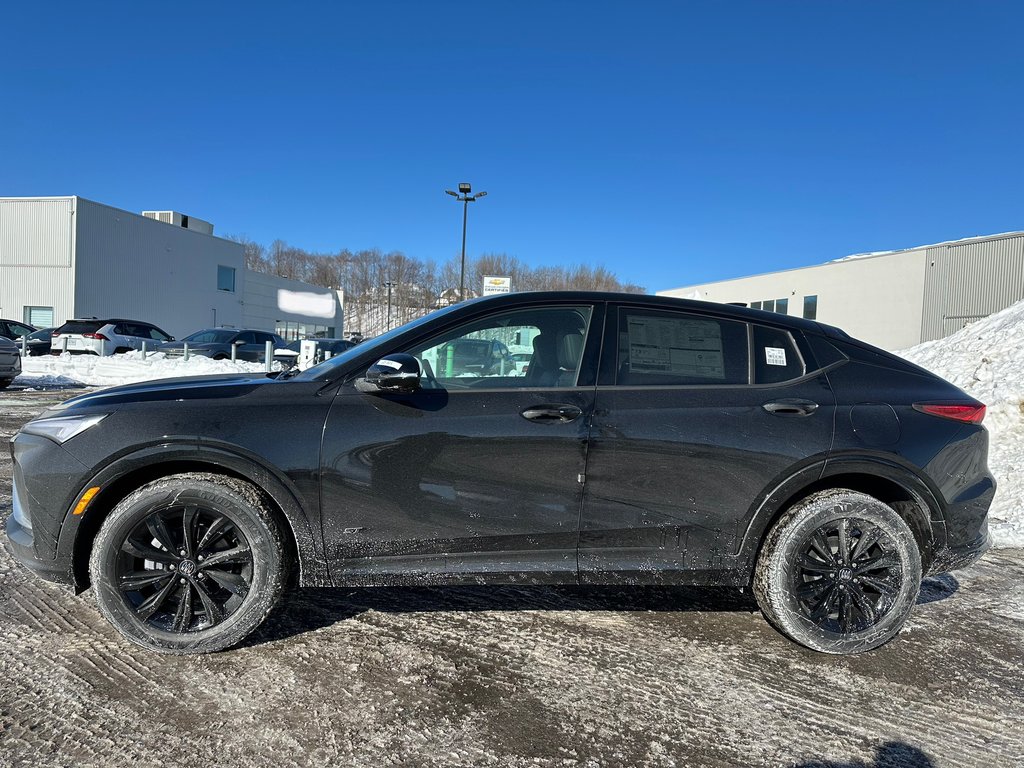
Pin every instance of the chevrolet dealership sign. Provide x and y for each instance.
(494, 284)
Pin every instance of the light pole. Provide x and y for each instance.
(389, 284)
(465, 199)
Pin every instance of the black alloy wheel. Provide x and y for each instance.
(184, 568)
(839, 572)
(190, 563)
(847, 575)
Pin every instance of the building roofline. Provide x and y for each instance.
(850, 258)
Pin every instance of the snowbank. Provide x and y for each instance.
(94, 371)
(986, 360)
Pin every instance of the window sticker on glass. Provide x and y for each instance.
(775, 356)
(676, 347)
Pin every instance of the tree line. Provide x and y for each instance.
(417, 286)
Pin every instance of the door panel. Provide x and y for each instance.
(453, 485)
(682, 450)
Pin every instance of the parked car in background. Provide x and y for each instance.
(11, 329)
(217, 343)
(325, 349)
(522, 361)
(106, 337)
(653, 441)
(10, 361)
(38, 342)
(475, 357)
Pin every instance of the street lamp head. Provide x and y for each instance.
(480, 194)
(449, 192)
(465, 188)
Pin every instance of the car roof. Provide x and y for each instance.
(745, 314)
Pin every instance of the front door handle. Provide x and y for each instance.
(552, 414)
(791, 408)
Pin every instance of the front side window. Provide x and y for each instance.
(225, 278)
(664, 348)
(479, 355)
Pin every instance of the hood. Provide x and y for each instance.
(186, 388)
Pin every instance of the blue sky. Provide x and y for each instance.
(673, 143)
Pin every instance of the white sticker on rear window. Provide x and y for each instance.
(397, 366)
(775, 356)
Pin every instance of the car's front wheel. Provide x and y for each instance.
(190, 563)
(839, 572)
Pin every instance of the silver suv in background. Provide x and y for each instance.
(106, 337)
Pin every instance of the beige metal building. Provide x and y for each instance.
(65, 257)
(894, 299)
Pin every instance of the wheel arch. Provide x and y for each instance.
(132, 472)
(890, 483)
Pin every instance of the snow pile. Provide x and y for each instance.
(986, 360)
(129, 368)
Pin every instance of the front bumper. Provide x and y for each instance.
(22, 547)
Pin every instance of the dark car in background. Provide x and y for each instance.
(651, 441)
(10, 362)
(95, 336)
(38, 342)
(12, 329)
(250, 344)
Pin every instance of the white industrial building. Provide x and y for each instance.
(67, 257)
(894, 299)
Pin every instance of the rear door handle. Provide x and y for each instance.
(791, 408)
(552, 414)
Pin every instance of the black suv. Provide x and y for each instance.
(249, 344)
(651, 440)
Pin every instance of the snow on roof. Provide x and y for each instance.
(930, 245)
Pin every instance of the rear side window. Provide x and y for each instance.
(776, 357)
(81, 326)
(664, 348)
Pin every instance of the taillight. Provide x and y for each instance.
(99, 336)
(969, 414)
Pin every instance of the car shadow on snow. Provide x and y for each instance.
(308, 609)
(892, 754)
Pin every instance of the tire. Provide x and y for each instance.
(5, 383)
(837, 597)
(231, 576)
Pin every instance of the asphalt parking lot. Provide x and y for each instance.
(511, 677)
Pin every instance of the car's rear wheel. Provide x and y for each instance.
(839, 572)
(190, 563)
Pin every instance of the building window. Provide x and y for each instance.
(768, 306)
(40, 317)
(811, 307)
(226, 279)
(782, 306)
(755, 305)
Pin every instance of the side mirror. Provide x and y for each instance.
(395, 373)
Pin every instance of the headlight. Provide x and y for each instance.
(62, 428)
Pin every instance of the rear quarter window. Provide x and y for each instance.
(776, 357)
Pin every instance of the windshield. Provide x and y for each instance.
(326, 369)
(212, 336)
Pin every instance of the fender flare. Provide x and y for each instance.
(193, 456)
(807, 478)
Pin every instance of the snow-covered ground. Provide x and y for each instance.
(93, 371)
(986, 360)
